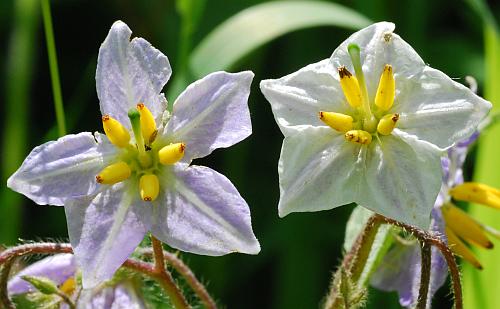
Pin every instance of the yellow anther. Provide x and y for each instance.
(477, 193)
(465, 227)
(337, 121)
(150, 187)
(114, 173)
(148, 124)
(460, 249)
(387, 124)
(358, 136)
(350, 87)
(172, 153)
(386, 89)
(117, 134)
(69, 286)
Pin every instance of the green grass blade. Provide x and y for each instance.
(480, 286)
(257, 25)
(19, 70)
(54, 71)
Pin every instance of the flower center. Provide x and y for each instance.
(141, 159)
(365, 120)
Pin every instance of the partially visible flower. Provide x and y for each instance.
(62, 270)
(374, 137)
(400, 268)
(138, 177)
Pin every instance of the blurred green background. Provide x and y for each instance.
(299, 252)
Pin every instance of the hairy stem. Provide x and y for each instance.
(164, 277)
(424, 236)
(354, 261)
(4, 277)
(425, 275)
(188, 275)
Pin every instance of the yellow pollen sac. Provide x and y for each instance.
(148, 124)
(477, 193)
(150, 187)
(117, 134)
(465, 227)
(387, 124)
(68, 287)
(460, 249)
(172, 153)
(350, 87)
(358, 136)
(114, 173)
(386, 89)
(337, 121)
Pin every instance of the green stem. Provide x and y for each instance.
(54, 71)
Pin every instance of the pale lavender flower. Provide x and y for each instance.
(61, 269)
(190, 208)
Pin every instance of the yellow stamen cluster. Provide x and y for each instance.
(362, 122)
(68, 286)
(461, 228)
(142, 158)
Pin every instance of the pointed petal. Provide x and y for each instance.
(212, 113)
(318, 170)
(105, 230)
(402, 180)
(297, 98)
(130, 72)
(60, 170)
(57, 268)
(203, 213)
(438, 110)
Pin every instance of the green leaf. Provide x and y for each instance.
(257, 25)
(383, 240)
(44, 285)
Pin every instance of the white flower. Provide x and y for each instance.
(374, 138)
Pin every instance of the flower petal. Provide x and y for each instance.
(122, 295)
(130, 72)
(212, 113)
(296, 99)
(438, 110)
(318, 170)
(402, 179)
(57, 268)
(203, 213)
(60, 170)
(106, 229)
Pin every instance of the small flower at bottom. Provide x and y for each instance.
(138, 178)
(369, 126)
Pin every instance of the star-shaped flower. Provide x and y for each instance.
(374, 137)
(138, 178)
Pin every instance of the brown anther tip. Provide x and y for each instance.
(182, 147)
(395, 117)
(98, 179)
(321, 116)
(388, 67)
(105, 118)
(489, 245)
(148, 199)
(343, 72)
(478, 266)
(140, 105)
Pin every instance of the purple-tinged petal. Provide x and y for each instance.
(203, 213)
(211, 113)
(57, 268)
(121, 296)
(130, 72)
(106, 229)
(60, 170)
